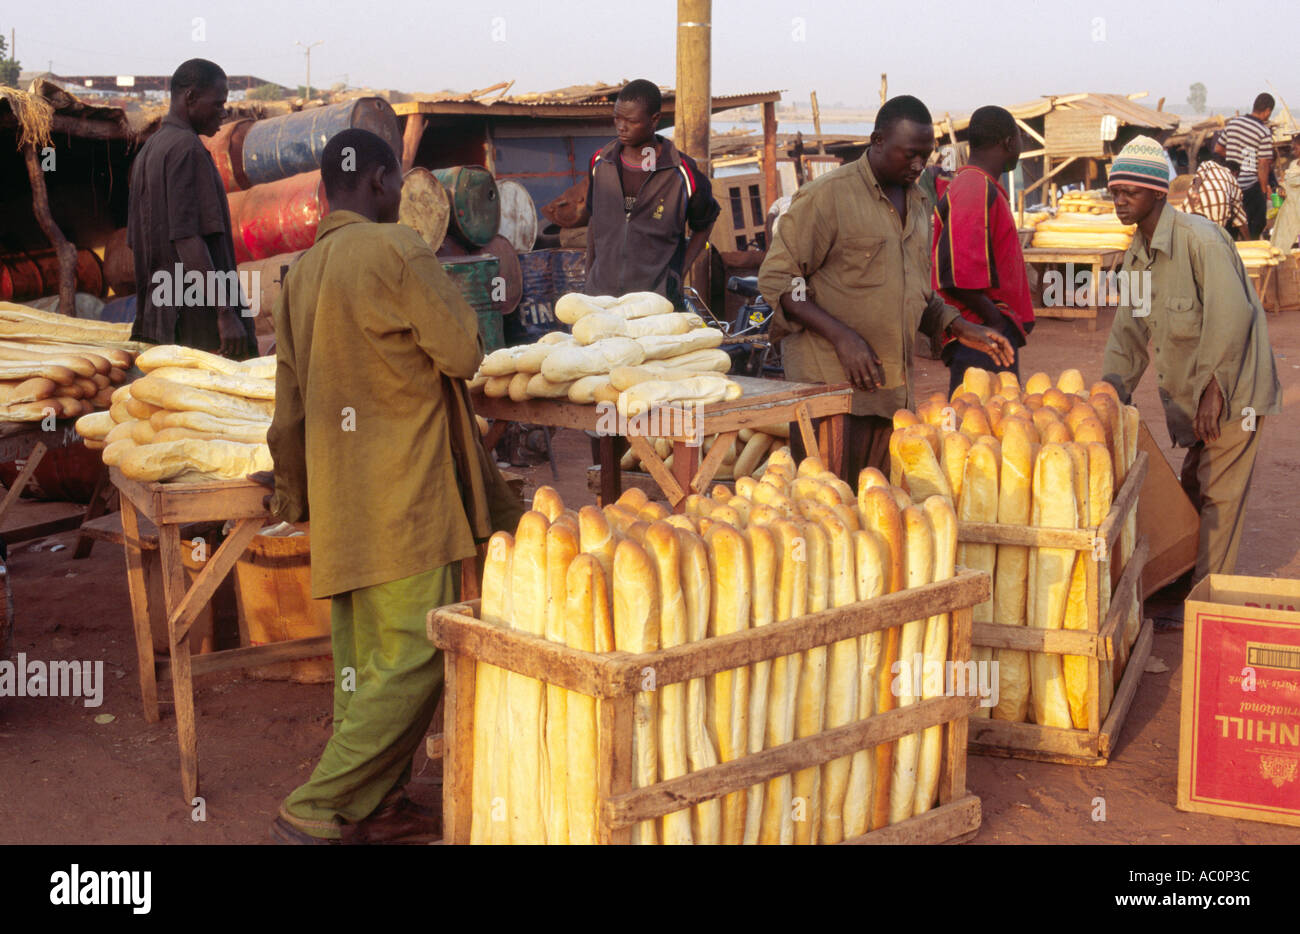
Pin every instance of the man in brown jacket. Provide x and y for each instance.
(849, 276)
(374, 436)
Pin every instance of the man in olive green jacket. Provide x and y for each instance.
(1206, 327)
(374, 437)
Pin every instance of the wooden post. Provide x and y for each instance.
(771, 189)
(137, 581)
(817, 124)
(884, 88)
(411, 137)
(694, 99)
(66, 250)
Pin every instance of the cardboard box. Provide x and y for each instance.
(1239, 742)
(1166, 517)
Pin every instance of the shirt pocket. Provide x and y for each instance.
(1184, 319)
(861, 260)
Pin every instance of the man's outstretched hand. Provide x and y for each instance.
(985, 340)
(235, 342)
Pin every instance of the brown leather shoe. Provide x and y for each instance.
(283, 832)
(402, 822)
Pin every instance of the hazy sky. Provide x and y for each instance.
(954, 55)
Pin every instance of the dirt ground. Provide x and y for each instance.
(64, 778)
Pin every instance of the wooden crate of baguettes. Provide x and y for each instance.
(1045, 480)
(723, 675)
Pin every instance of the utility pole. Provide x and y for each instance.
(694, 96)
(307, 96)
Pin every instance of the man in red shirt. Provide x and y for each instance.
(977, 264)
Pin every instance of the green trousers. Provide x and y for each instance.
(387, 680)
(1216, 477)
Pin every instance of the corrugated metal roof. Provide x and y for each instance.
(1126, 111)
(578, 100)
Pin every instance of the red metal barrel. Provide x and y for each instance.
(20, 278)
(227, 149)
(278, 217)
(90, 274)
(512, 276)
(283, 146)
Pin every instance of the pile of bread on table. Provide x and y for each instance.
(53, 365)
(1050, 455)
(1085, 220)
(193, 416)
(633, 351)
(633, 577)
(1258, 253)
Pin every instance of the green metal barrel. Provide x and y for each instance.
(475, 202)
(477, 277)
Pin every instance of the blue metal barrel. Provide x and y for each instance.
(284, 146)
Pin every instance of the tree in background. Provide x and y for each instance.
(265, 92)
(9, 69)
(1196, 97)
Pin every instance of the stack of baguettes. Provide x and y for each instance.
(1083, 229)
(744, 457)
(51, 364)
(633, 351)
(1050, 456)
(194, 416)
(635, 578)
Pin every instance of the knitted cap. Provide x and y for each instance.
(1143, 163)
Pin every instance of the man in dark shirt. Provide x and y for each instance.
(179, 227)
(642, 194)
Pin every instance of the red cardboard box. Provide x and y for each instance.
(1239, 745)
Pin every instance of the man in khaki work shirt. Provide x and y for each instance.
(849, 276)
(1214, 366)
(374, 437)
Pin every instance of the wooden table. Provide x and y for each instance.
(28, 441)
(762, 402)
(168, 506)
(1094, 259)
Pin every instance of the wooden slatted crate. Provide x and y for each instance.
(615, 678)
(1099, 642)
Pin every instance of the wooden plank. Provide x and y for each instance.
(614, 674)
(1001, 737)
(454, 629)
(173, 575)
(1128, 685)
(1032, 536)
(806, 433)
(611, 477)
(1126, 501)
(1120, 596)
(138, 588)
(1025, 639)
(538, 412)
(952, 768)
(209, 578)
(706, 784)
(653, 464)
(24, 477)
(614, 764)
(953, 822)
(833, 455)
(251, 656)
(704, 476)
(458, 766)
(686, 460)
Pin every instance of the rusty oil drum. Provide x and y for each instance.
(278, 217)
(475, 203)
(281, 147)
(425, 206)
(227, 150)
(25, 276)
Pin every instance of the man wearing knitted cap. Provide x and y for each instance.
(1207, 331)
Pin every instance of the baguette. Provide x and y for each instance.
(561, 550)
(701, 747)
(919, 544)
(956, 449)
(798, 702)
(502, 362)
(658, 347)
(175, 355)
(728, 701)
(1010, 588)
(529, 357)
(1053, 507)
(539, 387)
(709, 360)
(95, 426)
(237, 385)
(189, 461)
(664, 324)
(699, 390)
(1100, 480)
(571, 362)
(841, 677)
(597, 538)
(642, 305)
(528, 794)
(587, 603)
(573, 306)
(598, 326)
(637, 623)
(943, 524)
(1128, 537)
(762, 693)
(979, 503)
(487, 796)
(177, 397)
(583, 391)
(19, 371)
(872, 564)
(498, 387)
(116, 450)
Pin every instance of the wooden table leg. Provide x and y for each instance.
(1096, 289)
(138, 586)
(173, 573)
(806, 432)
(99, 498)
(709, 467)
(830, 431)
(611, 473)
(686, 461)
(33, 461)
(494, 433)
(458, 753)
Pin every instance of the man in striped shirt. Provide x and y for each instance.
(1247, 141)
(1215, 195)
